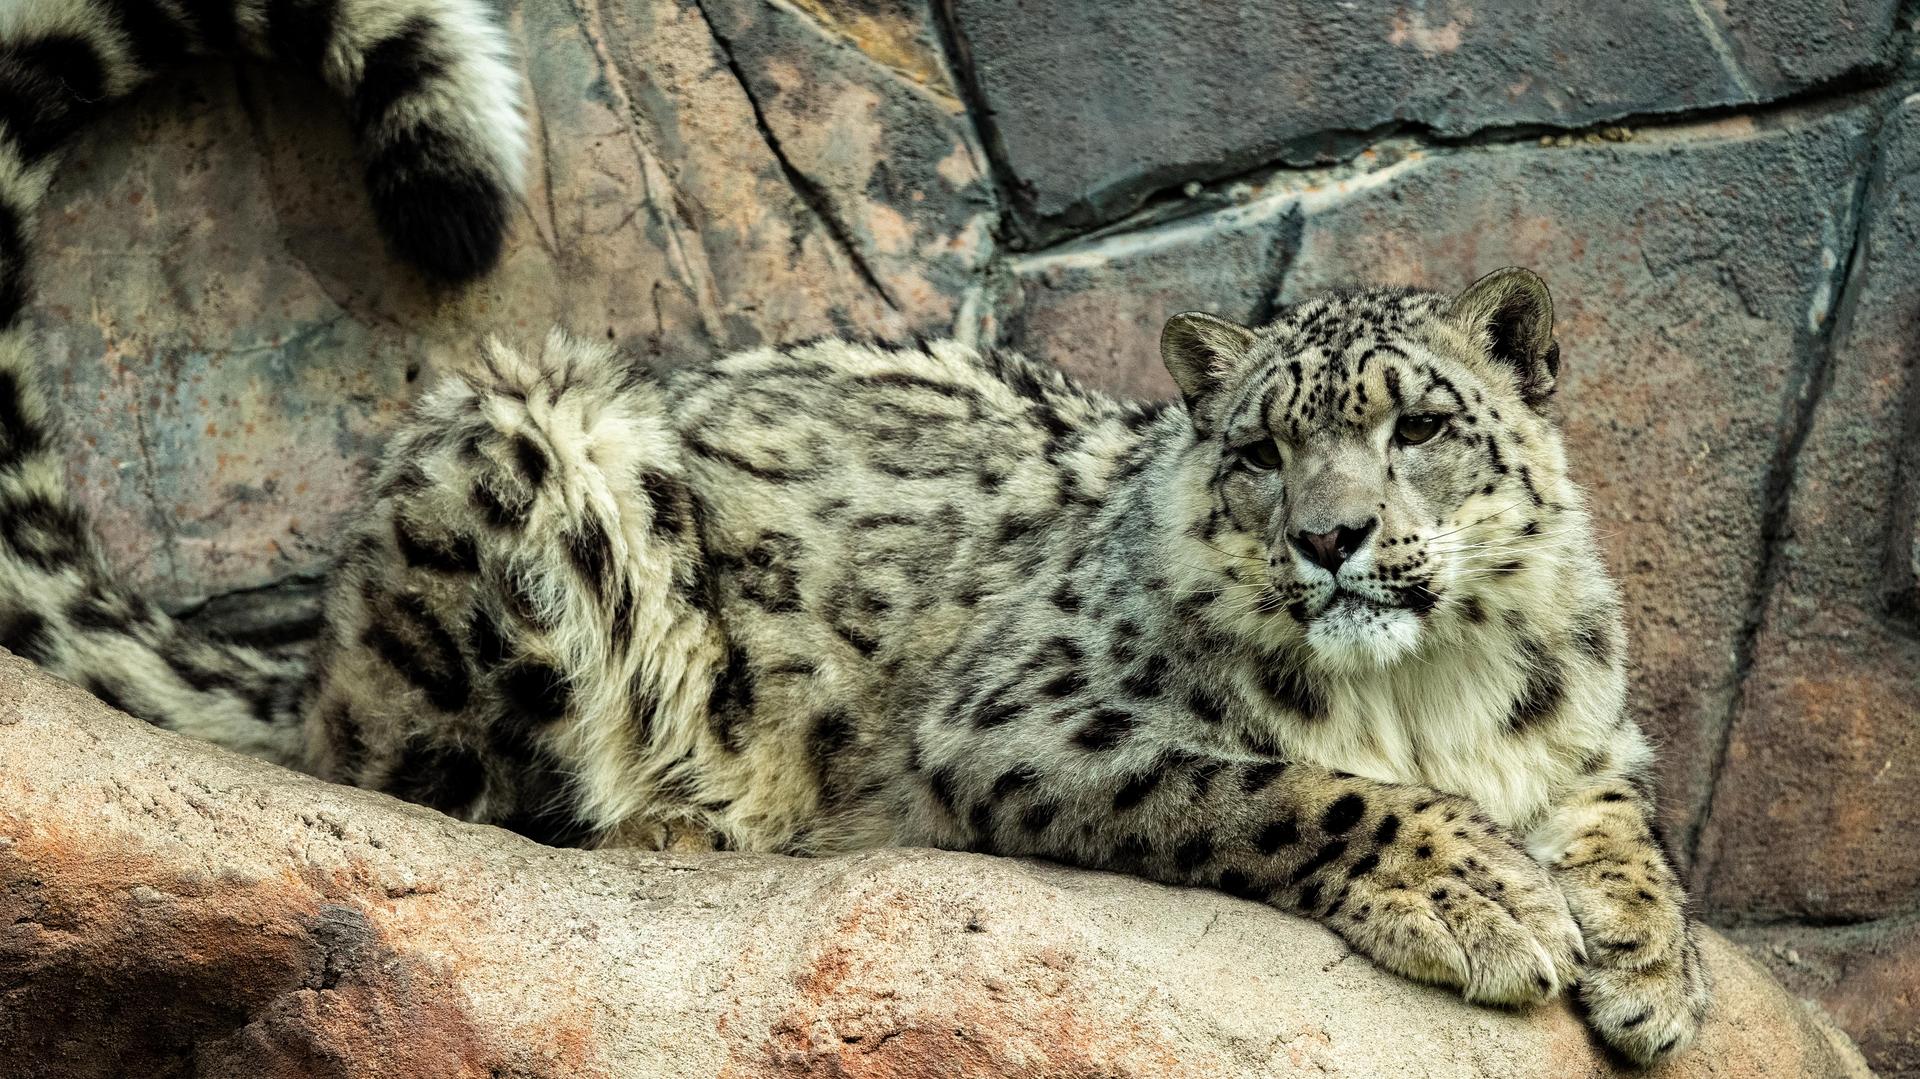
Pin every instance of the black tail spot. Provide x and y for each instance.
(47, 88)
(441, 213)
(395, 69)
(158, 42)
(20, 438)
(49, 535)
(24, 633)
(13, 300)
(300, 30)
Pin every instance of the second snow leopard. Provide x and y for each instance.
(1330, 632)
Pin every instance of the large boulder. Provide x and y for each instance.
(167, 908)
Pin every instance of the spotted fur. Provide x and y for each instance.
(1330, 631)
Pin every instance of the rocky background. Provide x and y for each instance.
(1725, 195)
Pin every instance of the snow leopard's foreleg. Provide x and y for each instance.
(1645, 988)
(1419, 881)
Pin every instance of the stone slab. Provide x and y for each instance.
(1099, 106)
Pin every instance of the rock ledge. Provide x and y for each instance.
(171, 909)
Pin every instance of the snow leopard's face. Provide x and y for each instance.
(1386, 454)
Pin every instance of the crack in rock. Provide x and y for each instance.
(816, 199)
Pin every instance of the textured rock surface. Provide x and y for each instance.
(1824, 756)
(1866, 976)
(170, 909)
(1100, 105)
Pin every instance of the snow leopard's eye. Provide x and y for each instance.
(1413, 430)
(1261, 456)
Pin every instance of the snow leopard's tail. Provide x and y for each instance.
(432, 95)
(61, 606)
(434, 102)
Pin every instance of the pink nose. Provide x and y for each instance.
(1330, 550)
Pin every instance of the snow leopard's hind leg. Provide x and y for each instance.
(520, 631)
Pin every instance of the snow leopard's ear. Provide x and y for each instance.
(1509, 315)
(1201, 353)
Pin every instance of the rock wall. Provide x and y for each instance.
(1725, 196)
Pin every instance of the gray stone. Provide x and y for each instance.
(1693, 269)
(1100, 105)
(1814, 814)
(167, 909)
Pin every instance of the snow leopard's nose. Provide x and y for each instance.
(1330, 550)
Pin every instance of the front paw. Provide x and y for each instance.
(1457, 903)
(1647, 1012)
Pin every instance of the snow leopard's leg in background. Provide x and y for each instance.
(1646, 988)
(520, 630)
(432, 95)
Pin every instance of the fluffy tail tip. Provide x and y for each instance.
(452, 227)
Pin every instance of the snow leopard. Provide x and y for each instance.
(1329, 629)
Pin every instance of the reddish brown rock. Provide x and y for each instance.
(858, 102)
(1866, 976)
(1814, 813)
(1691, 269)
(169, 909)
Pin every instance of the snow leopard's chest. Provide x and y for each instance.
(1451, 727)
